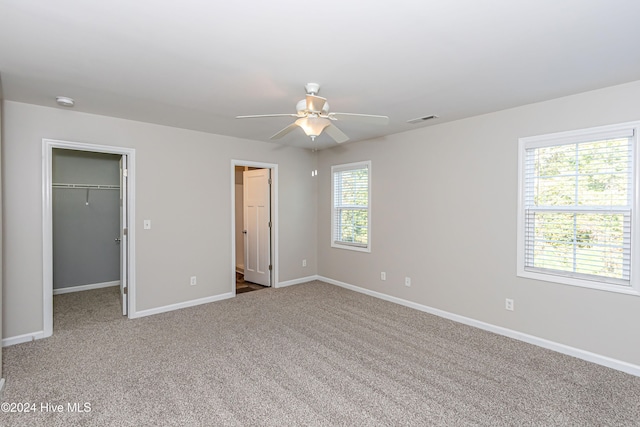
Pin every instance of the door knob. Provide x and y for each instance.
(117, 239)
(244, 231)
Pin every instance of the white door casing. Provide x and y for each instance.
(124, 241)
(47, 229)
(257, 220)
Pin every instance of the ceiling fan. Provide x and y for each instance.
(313, 117)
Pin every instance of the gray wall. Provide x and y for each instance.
(84, 249)
(183, 185)
(444, 206)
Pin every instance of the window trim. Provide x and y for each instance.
(576, 136)
(343, 167)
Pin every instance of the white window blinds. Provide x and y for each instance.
(577, 207)
(350, 205)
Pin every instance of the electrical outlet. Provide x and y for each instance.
(304, 262)
(407, 281)
(383, 276)
(193, 281)
(508, 304)
(147, 224)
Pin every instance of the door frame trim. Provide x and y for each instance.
(47, 221)
(274, 218)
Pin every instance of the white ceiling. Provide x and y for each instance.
(197, 64)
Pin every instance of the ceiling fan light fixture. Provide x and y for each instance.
(313, 126)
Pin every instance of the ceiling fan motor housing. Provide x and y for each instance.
(301, 108)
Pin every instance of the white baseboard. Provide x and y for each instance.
(297, 281)
(186, 304)
(541, 342)
(40, 334)
(79, 288)
(6, 342)
(599, 359)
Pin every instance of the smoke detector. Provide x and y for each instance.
(65, 101)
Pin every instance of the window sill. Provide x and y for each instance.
(351, 247)
(582, 283)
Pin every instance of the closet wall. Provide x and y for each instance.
(86, 222)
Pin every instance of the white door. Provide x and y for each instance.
(124, 242)
(257, 233)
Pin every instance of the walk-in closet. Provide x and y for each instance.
(85, 221)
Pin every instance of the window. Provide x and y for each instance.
(577, 209)
(351, 215)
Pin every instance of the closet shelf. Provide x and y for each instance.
(86, 186)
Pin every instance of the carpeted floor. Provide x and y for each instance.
(311, 354)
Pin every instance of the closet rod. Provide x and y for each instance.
(87, 186)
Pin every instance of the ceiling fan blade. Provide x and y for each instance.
(258, 116)
(285, 131)
(336, 134)
(315, 104)
(362, 118)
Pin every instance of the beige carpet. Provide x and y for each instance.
(312, 354)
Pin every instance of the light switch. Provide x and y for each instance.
(147, 224)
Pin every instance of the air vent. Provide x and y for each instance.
(422, 119)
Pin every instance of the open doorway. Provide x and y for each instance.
(86, 221)
(87, 227)
(254, 223)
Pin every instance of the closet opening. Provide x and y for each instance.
(87, 233)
